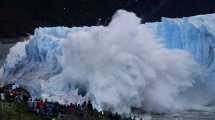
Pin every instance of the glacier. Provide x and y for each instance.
(193, 34)
(160, 66)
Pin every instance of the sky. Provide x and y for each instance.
(18, 17)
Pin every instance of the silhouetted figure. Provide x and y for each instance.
(89, 106)
(18, 98)
(71, 108)
(30, 104)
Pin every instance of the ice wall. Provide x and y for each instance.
(123, 65)
(193, 34)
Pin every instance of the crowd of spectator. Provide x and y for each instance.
(54, 110)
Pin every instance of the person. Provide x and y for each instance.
(45, 103)
(41, 106)
(89, 106)
(2, 95)
(71, 108)
(30, 104)
(35, 105)
(1, 88)
(37, 110)
(18, 97)
(83, 106)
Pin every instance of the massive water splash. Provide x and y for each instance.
(117, 67)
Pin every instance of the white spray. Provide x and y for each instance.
(117, 67)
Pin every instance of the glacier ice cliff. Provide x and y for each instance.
(193, 34)
(156, 66)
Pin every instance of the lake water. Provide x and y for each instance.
(191, 115)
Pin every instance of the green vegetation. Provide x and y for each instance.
(20, 111)
(16, 111)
